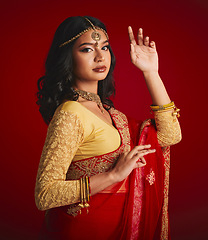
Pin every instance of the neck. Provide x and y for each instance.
(88, 87)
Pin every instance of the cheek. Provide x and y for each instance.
(76, 67)
(82, 62)
(81, 67)
(77, 64)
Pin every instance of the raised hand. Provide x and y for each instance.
(143, 54)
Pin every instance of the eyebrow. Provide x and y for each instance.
(92, 43)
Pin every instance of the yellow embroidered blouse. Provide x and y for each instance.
(76, 133)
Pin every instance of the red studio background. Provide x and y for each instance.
(180, 31)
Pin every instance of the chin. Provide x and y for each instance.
(102, 77)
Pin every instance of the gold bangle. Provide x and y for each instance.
(88, 189)
(162, 107)
(81, 204)
(86, 195)
(165, 110)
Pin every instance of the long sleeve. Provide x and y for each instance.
(168, 128)
(65, 134)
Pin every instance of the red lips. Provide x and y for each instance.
(99, 69)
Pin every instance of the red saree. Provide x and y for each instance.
(131, 210)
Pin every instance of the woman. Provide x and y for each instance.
(101, 176)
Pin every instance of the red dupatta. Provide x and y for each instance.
(147, 208)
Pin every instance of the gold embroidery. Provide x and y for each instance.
(164, 228)
(151, 177)
(64, 135)
(73, 210)
(92, 166)
(121, 123)
(146, 123)
(168, 128)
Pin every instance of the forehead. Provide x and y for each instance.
(86, 37)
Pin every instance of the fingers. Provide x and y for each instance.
(152, 44)
(141, 163)
(131, 35)
(140, 151)
(140, 36)
(136, 149)
(145, 152)
(146, 41)
(136, 156)
(141, 40)
(142, 147)
(143, 160)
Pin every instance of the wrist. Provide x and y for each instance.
(112, 177)
(149, 74)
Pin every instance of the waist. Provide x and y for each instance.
(117, 187)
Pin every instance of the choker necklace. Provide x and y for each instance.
(91, 97)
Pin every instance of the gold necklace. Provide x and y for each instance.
(91, 97)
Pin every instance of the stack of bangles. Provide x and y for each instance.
(84, 193)
(167, 107)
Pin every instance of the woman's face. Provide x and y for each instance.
(91, 61)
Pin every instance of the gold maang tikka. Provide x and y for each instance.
(96, 36)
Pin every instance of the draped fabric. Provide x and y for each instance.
(133, 209)
(147, 208)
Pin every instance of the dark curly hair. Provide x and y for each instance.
(56, 85)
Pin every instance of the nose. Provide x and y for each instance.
(99, 57)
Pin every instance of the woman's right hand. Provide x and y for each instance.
(129, 161)
(124, 166)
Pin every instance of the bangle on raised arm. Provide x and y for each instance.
(162, 107)
(166, 107)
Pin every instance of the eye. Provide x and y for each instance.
(105, 47)
(86, 50)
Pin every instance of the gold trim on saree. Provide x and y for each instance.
(165, 225)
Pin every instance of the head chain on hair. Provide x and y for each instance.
(86, 30)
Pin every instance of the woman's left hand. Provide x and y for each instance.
(144, 54)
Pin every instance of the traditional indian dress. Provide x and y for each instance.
(80, 144)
